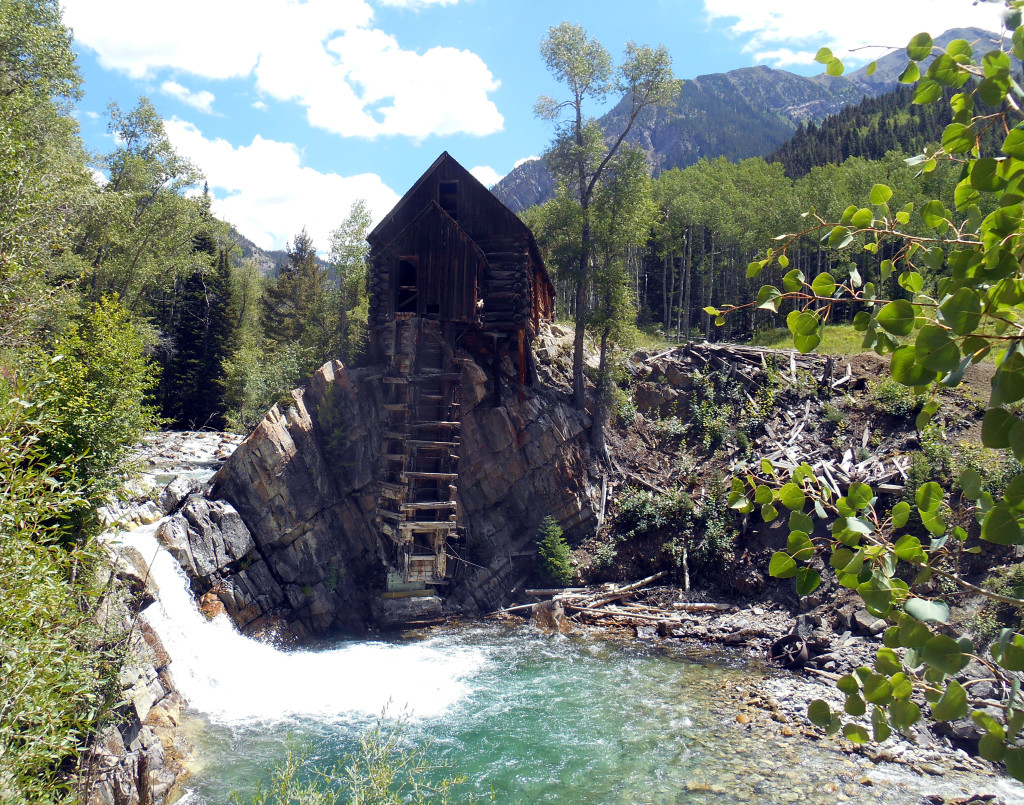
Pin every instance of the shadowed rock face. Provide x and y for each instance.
(304, 484)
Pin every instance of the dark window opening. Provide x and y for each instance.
(448, 198)
(405, 290)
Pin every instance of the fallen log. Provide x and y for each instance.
(550, 593)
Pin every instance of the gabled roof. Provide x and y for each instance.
(391, 224)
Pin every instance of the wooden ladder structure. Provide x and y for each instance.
(419, 475)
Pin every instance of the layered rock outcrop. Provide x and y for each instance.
(304, 484)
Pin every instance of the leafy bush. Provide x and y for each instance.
(255, 377)
(641, 511)
(554, 553)
(894, 398)
(59, 665)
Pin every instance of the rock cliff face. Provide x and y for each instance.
(290, 535)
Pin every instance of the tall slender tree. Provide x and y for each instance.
(580, 153)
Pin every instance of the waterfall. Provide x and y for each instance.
(233, 680)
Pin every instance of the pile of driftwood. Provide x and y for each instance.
(610, 604)
(789, 438)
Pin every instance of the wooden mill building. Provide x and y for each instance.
(451, 268)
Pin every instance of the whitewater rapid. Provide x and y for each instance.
(231, 679)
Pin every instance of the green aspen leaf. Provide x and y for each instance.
(933, 213)
(947, 72)
(902, 687)
(970, 483)
(992, 747)
(783, 261)
(962, 311)
(1007, 385)
(926, 612)
(763, 494)
(927, 91)
(929, 497)
(911, 73)
(934, 349)
(855, 733)
(824, 285)
(859, 495)
(1014, 494)
(859, 525)
(1013, 145)
(880, 194)
(768, 298)
(792, 497)
(798, 521)
(985, 175)
(995, 428)
(802, 322)
(862, 218)
(711, 311)
(887, 662)
(908, 548)
(1018, 43)
(834, 67)
(839, 238)
(913, 634)
(823, 56)
(905, 370)
(957, 138)
(992, 91)
(943, 653)
(819, 713)
(959, 49)
(793, 281)
(877, 689)
(806, 343)
(877, 596)
(920, 47)
(767, 468)
(870, 69)
(1001, 527)
(1014, 760)
(953, 704)
(965, 195)
(807, 581)
(897, 317)
(911, 281)
(904, 714)
(861, 321)
(782, 566)
(934, 523)
(799, 546)
(903, 217)
(1017, 440)
(848, 684)
(925, 415)
(841, 557)
(996, 64)
(879, 726)
(753, 269)
(900, 514)
(854, 705)
(769, 512)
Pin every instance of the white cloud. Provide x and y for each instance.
(99, 177)
(524, 160)
(417, 3)
(787, 32)
(92, 115)
(260, 106)
(269, 195)
(202, 100)
(353, 79)
(486, 175)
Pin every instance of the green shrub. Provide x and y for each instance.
(641, 511)
(894, 398)
(554, 553)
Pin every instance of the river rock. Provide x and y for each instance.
(305, 486)
(205, 537)
(550, 616)
(176, 492)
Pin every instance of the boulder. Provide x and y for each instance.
(205, 537)
(550, 616)
(176, 492)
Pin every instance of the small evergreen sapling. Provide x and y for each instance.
(554, 553)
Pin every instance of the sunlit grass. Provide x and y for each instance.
(837, 339)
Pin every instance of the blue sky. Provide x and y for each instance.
(293, 110)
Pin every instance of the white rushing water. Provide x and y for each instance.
(232, 679)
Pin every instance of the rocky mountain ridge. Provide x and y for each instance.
(740, 114)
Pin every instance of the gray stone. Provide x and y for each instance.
(176, 492)
(205, 537)
(868, 624)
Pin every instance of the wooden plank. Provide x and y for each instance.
(439, 476)
(432, 506)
